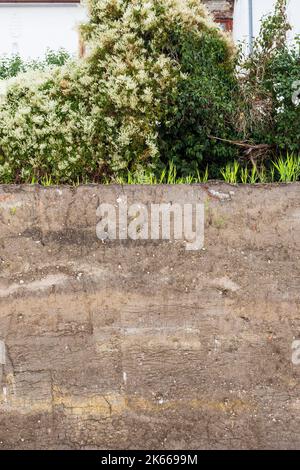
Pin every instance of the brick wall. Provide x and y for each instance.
(220, 7)
(222, 11)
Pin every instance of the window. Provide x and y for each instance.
(226, 24)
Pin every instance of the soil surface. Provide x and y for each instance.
(142, 344)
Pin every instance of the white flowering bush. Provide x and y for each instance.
(151, 79)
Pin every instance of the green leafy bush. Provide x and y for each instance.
(11, 66)
(284, 84)
(205, 103)
(269, 86)
(157, 80)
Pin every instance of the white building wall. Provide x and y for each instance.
(30, 29)
(260, 9)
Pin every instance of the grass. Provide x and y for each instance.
(254, 175)
(288, 168)
(167, 176)
(244, 175)
(284, 170)
(230, 172)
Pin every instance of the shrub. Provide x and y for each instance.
(205, 103)
(271, 78)
(157, 80)
(284, 85)
(11, 66)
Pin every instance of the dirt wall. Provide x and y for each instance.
(143, 344)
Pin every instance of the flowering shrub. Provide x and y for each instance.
(157, 80)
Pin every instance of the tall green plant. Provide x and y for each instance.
(288, 168)
(270, 115)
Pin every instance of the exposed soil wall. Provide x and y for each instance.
(143, 344)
